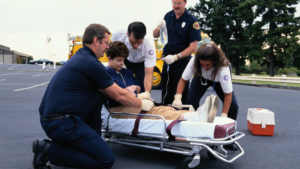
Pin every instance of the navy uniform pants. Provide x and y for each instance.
(170, 81)
(76, 145)
(139, 71)
(197, 90)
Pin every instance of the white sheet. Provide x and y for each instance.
(181, 129)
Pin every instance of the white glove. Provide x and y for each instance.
(224, 115)
(170, 59)
(161, 24)
(147, 105)
(177, 102)
(145, 96)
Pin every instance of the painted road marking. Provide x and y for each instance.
(31, 87)
(2, 79)
(13, 67)
(38, 75)
(9, 74)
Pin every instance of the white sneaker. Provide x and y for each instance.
(211, 114)
(202, 111)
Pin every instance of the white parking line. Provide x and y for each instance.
(2, 79)
(13, 67)
(38, 75)
(8, 74)
(31, 87)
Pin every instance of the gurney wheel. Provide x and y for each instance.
(186, 161)
(210, 155)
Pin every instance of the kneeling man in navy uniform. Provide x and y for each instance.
(71, 106)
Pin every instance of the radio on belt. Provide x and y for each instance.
(261, 121)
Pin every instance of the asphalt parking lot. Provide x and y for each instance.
(21, 92)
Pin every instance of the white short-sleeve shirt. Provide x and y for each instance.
(145, 52)
(223, 76)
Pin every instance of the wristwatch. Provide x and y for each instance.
(179, 55)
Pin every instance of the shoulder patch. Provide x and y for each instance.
(196, 26)
(151, 52)
(226, 77)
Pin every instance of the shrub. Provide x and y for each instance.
(298, 72)
(262, 73)
(57, 64)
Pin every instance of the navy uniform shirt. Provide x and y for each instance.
(181, 32)
(74, 88)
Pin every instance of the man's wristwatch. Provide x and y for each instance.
(179, 55)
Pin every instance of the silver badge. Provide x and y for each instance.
(183, 24)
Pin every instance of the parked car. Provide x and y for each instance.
(40, 61)
(62, 62)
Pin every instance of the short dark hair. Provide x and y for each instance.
(212, 53)
(138, 29)
(117, 48)
(94, 30)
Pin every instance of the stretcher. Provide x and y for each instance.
(185, 137)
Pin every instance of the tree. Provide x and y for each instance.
(30, 58)
(221, 21)
(274, 37)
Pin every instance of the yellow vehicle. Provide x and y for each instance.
(159, 63)
(76, 44)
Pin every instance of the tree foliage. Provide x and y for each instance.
(274, 35)
(221, 21)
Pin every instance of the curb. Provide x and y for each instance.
(269, 85)
(29, 70)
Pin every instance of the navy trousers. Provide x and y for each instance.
(197, 90)
(169, 85)
(75, 144)
(139, 71)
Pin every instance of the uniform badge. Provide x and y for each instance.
(151, 52)
(196, 26)
(226, 77)
(183, 24)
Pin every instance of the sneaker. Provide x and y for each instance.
(202, 110)
(212, 111)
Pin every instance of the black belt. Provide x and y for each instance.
(55, 117)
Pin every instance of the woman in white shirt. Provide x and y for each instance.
(209, 67)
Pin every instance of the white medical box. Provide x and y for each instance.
(261, 121)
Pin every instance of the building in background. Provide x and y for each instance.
(8, 56)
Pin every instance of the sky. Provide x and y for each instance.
(25, 25)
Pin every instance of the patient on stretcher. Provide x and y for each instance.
(116, 54)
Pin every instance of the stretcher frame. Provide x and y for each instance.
(190, 147)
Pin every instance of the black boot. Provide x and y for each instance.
(41, 150)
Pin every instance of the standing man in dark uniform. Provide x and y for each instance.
(71, 108)
(183, 36)
(142, 55)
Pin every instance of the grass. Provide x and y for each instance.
(261, 82)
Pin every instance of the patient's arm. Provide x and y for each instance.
(133, 88)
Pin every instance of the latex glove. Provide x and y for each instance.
(145, 96)
(177, 102)
(147, 93)
(170, 59)
(224, 115)
(161, 24)
(147, 105)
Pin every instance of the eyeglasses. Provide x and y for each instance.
(177, 3)
(99, 39)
